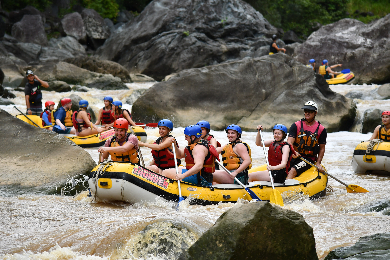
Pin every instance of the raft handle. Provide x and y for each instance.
(103, 183)
(226, 197)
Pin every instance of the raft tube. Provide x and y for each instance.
(376, 159)
(341, 79)
(116, 181)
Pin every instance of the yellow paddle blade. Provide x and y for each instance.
(276, 198)
(352, 188)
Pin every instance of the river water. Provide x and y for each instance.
(36, 225)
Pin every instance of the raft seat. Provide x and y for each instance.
(227, 186)
(264, 183)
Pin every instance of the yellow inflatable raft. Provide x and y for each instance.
(90, 140)
(371, 156)
(342, 78)
(116, 181)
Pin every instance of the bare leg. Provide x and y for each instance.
(73, 131)
(259, 176)
(171, 173)
(291, 174)
(154, 168)
(221, 176)
(88, 131)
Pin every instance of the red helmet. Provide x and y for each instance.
(386, 113)
(49, 103)
(65, 101)
(121, 123)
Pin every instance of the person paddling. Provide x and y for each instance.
(122, 113)
(123, 146)
(82, 121)
(279, 156)
(106, 117)
(327, 71)
(382, 132)
(46, 115)
(163, 157)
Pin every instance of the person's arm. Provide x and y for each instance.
(320, 156)
(240, 150)
(213, 142)
(128, 118)
(267, 143)
(329, 69)
(199, 153)
(335, 66)
(59, 123)
(165, 144)
(286, 153)
(84, 116)
(279, 49)
(99, 117)
(119, 149)
(27, 97)
(375, 135)
(220, 149)
(43, 83)
(46, 119)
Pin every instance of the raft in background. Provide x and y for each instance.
(116, 181)
(343, 78)
(372, 156)
(94, 140)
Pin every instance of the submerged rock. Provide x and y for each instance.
(266, 90)
(38, 157)
(256, 231)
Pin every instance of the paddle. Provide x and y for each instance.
(251, 193)
(352, 188)
(345, 71)
(275, 197)
(177, 173)
(27, 117)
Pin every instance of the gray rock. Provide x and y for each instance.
(58, 86)
(30, 29)
(2, 27)
(16, 16)
(270, 89)
(106, 82)
(290, 49)
(371, 119)
(141, 78)
(28, 52)
(55, 158)
(363, 48)
(290, 37)
(369, 247)
(75, 106)
(134, 96)
(124, 16)
(109, 24)
(169, 36)
(51, 54)
(96, 29)
(72, 25)
(69, 44)
(1, 77)
(256, 231)
(384, 91)
(79, 88)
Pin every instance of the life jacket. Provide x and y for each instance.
(129, 156)
(68, 118)
(107, 117)
(164, 158)
(48, 117)
(35, 95)
(121, 115)
(53, 120)
(230, 159)
(79, 125)
(273, 49)
(209, 138)
(322, 70)
(275, 154)
(383, 134)
(209, 161)
(306, 143)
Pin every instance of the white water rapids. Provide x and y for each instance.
(40, 226)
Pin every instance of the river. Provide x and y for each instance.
(36, 225)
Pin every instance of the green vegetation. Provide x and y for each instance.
(379, 8)
(106, 8)
(186, 33)
(20, 4)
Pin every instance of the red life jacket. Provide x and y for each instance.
(121, 115)
(209, 138)
(48, 117)
(164, 158)
(209, 161)
(275, 154)
(306, 142)
(107, 117)
(79, 125)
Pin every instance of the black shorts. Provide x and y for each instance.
(300, 166)
(242, 177)
(279, 176)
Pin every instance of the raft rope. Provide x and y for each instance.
(371, 145)
(100, 171)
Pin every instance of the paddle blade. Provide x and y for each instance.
(345, 71)
(178, 204)
(276, 198)
(352, 188)
(252, 194)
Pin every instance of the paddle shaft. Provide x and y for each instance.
(177, 170)
(27, 117)
(266, 159)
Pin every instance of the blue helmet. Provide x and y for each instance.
(193, 130)
(234, 127)
(312, 60)
(83, 103)
(166, 122)
(117, 104)
(281, 128)
(108, 98)
(324, 61)
(204, 124)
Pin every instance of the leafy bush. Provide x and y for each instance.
(20, 4)
(106, 8)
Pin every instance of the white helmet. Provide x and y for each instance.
(310, 105)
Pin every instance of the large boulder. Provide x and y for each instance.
(363, 48)
(256, 231)
(267, 90)
(72, 25)
(96, 29)
(370, 247)
(16, 16)
(38, 157)
(69, 44)
(172, 35)
(30, 29)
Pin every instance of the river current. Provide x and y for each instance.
(36, 225)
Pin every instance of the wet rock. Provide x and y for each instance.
(30, 29)
(384, 91)
(256, 229)
(363, 48)
(370, 247)
(55, 158)
(101, 66)
(79, 88)
(134, 96)
(169, 36)
(58, 86)
(371, 119)
(245, 92)
(95, 27)
(69, 44)
(72, 25)
(141, 78)
(106, 82)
